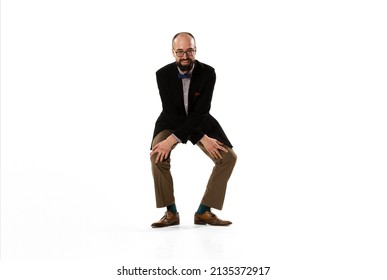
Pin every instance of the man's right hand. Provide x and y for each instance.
(163, 148)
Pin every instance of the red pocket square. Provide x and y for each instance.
(197, 94)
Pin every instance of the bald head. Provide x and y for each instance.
(183, 36)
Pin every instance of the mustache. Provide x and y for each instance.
(185, 64)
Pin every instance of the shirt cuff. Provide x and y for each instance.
(177, 139)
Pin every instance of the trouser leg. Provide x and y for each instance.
(217, 183)
(163, 182)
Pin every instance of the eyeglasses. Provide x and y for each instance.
(189, 52)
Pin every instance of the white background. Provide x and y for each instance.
(301, 93)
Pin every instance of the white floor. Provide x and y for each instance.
(293, 235)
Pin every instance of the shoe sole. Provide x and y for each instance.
(173, 224)
(205, 223)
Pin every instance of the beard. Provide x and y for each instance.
(185, 67)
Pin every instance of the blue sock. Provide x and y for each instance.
(202, 208)
(172, 208)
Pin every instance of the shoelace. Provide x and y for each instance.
(166, 216)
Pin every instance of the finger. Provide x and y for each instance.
(219, 143)
(211, 153)
(155, 146)
(160, 157)
(220, 148)
(153, 152)
(157, 156)
(215, 154)
(223, 149)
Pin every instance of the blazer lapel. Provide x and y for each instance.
(194, 82)
(177, 88)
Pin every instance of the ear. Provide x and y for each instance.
(173, 52)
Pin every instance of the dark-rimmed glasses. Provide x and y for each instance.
(189, 52)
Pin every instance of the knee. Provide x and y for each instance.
(153, 160)
(159, 164)
(234, 156)
(230, 157)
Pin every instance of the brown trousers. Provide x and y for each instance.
(217, 183)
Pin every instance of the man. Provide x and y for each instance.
(186, 87)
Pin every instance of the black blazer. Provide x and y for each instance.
(173, 116)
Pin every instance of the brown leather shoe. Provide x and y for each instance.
(169, 219)
(209, 218)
